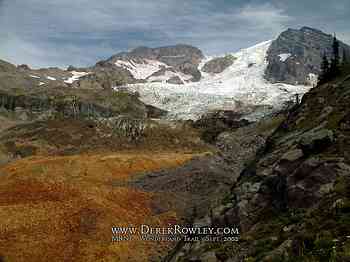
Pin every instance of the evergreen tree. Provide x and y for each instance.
(324, 69)
(345, 58)
(334, 68)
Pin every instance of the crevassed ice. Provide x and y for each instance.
(243, 81)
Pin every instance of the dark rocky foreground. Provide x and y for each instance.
(290, 201)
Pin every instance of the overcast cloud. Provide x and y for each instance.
(80, 32)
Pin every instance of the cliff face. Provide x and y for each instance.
(296, 54)
(292, 200)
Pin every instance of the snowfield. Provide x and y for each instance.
(240, 85)
(51, 78)
(34, 76)
(141, 70)
(144, 70)
(284, 57)
(75, 76)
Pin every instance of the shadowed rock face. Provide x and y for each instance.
(297, 53)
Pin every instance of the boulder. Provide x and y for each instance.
(316, 141)
(23, 67)
(292, 155)
(214, 123)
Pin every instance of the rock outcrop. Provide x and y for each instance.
(219, 64)
(296, 54)
(104, 77)
(214, 123)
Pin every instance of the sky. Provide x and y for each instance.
(43, 33)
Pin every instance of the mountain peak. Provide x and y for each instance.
(295, 56)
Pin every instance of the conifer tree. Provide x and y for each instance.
(334, 68)
(345, 58)
(324, 69)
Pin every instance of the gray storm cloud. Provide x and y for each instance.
(48, 33)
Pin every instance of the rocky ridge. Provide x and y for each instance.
(183, 59)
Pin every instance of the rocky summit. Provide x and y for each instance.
(167, 137)
(295, 56)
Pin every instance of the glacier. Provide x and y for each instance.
(237, 88)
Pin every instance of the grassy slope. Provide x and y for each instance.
(62, 208)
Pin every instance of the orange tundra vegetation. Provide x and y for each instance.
(63, 208)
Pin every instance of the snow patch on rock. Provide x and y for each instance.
(51, 78)
(75, 76)
(34, 76)
(284, 57)
(141, 70)
(312, 79)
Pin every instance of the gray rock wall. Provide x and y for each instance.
(306, 48)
